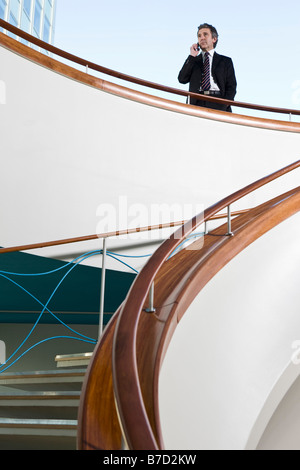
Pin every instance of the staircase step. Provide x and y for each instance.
(73, 360)
(69, 379)
(38, 427)
(68, 398)
(38, 409)
(40, 405)
(42, 434)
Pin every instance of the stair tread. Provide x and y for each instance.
(38, 409)
(43, 374)
(40, 395)
(49, 423)
(70, 357)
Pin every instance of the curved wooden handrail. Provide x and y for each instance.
(125, 365)
(194, 269)
(143, 98)
(117, 233)
(86, 63)
(98, 428)
(66, 241)
(98, 423)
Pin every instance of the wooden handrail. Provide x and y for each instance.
(143, 98)
(66, 241)
(98, 424)
(86, 63)
(178, 282)
(117, 233)
(142, 436)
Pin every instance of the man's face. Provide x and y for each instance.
(205, 39)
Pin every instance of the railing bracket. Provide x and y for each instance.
(148, 310)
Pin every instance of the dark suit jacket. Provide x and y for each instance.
(222, 72)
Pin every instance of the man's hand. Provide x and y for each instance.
(194, 50)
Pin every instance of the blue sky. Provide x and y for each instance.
(151, 40)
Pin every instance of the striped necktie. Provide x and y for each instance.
(206, 73)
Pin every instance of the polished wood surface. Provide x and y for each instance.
(98, 423)
(140, 339)
(181, 279)
(144, 98)
(177, 283)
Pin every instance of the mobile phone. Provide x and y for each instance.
(198, 47)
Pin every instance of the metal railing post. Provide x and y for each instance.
(102, 291)
(151, 308)
(229, 232)
(205, 228)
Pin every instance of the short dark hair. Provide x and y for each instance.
(213, 31)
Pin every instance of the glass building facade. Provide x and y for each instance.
(36, 17)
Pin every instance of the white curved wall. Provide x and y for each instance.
(278, 429)
(68, 148)
(283, 430)
(232, 348)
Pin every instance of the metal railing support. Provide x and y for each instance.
(229, 232)
(151, 308)
(102, 291)
(205, 228)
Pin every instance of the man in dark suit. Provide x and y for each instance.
(208, 72)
